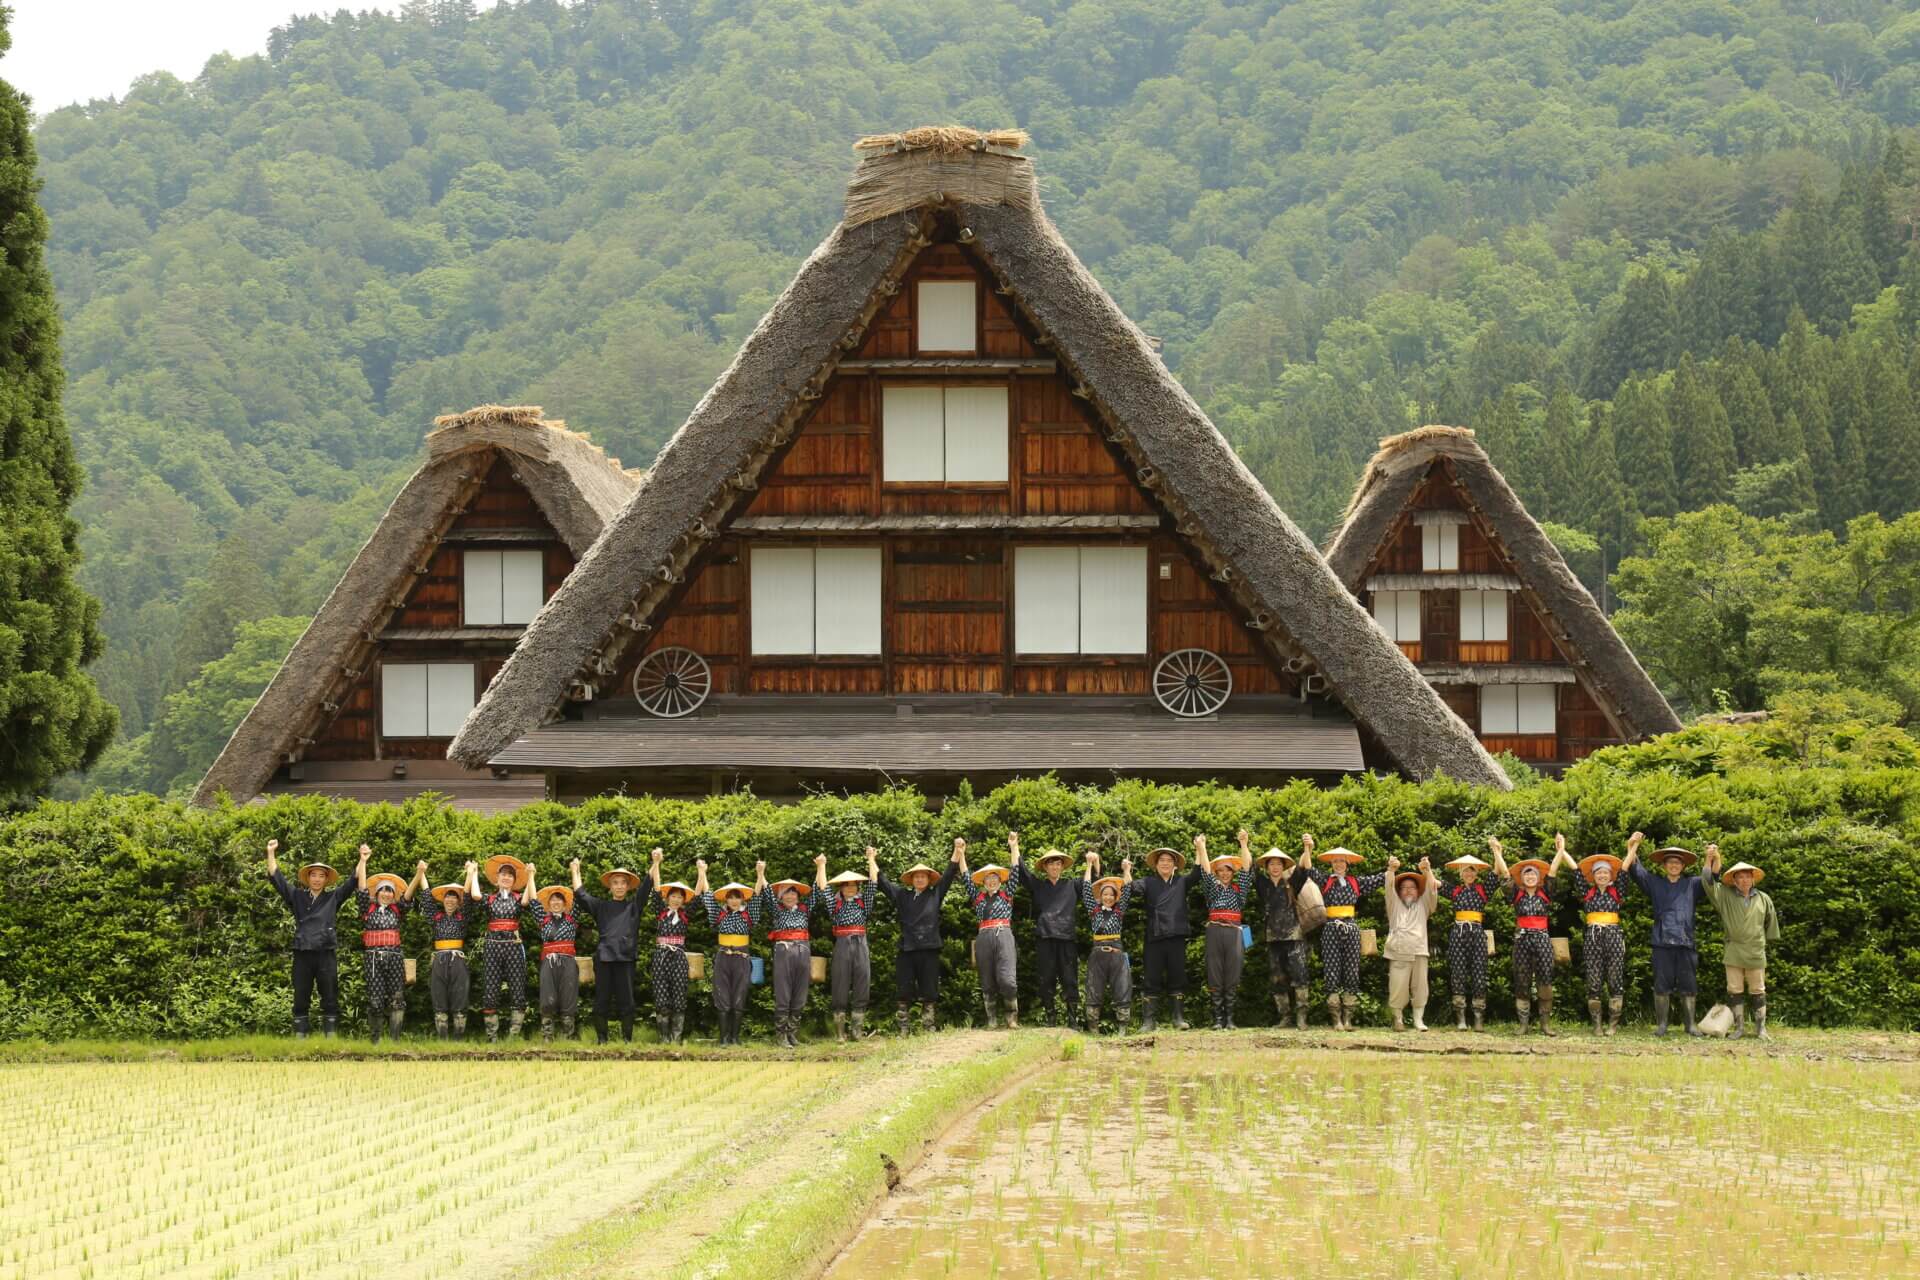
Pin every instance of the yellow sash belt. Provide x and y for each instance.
(449, 944)
(1106, 937)
(734, 939)
(1603, 917)
(1339, 913)
(1466, 917)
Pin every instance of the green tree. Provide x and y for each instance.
(1641, 337)
(1604, 507)
(1643, 436)
(1704, 459)
(52, 718)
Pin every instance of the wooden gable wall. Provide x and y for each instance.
(502, 516)
(947, 594)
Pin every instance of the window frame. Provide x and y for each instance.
(499, 556)
(1080, 653)
(1479, 616)
(943, 484)
(757, 609)
(919, 349)
(426, 667)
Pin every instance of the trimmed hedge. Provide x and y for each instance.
(133, 916)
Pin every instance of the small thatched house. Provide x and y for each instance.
(948, 516)
(372, 694)
(1469, 586)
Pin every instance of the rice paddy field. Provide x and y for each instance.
(318, 1169)
(1218, 1160)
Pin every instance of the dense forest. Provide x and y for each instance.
(1657, 253)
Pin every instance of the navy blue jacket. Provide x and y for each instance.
(313, 913)
(1167, 903)
(1673, 905)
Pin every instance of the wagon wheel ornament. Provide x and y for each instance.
(672, 682)
(1192, 682)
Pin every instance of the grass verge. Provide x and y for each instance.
(785, 1199)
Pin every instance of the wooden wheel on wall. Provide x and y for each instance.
(672, 682)
(1192, 682)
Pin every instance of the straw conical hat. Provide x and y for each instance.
(992, 868)
(906, 877)
(1468, 860)
(1271, 854)
(1687, 856)
(546, 894)
(333, 877)
(606, 877)
(441, 892)
(1230, 859)
(733, 886)
(1758, 874)
(1153, 858)
(388, 879)
(1340, 853)
(781, 886)
(499, 860)
(1592, 860)
(1048, 855)
(848, 877)
(1417, 877)
(1108, 882)
(1538, 864)
(686, 891)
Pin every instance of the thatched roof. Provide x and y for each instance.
(577, 486)
(703, 474)
(1391, 479)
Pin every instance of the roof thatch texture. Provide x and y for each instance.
(1392, 477)
(576, 486)
(762, 395)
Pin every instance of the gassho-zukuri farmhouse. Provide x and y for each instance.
(946, 515)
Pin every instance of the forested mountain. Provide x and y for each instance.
(1341, 217)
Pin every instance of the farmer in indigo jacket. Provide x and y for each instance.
(1675, 895)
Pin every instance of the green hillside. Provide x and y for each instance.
(1343, 218)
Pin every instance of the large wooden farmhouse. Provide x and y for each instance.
(1466, 582)
(372, 694)
(948, 516)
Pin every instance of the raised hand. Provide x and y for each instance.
(1426, 865)
(760, 867)
(658, 853)
(574, 866)
(1245, 837)
(1126, 865)
(1306, 841)
(420, 867)
(365, 853)
(1393, 863)
(1713, 856)
(1013, 841)
(820, 860)
(1634, 840)
(700, 865)
(1559, 843)
(273, 846)
(1200, 845)
(1493, 843)
(959, 849)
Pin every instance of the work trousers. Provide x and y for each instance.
(449, 980)
(1407, 980)
(504, 966)
(1467, 961)
(1226, 959)
(559, 987)
(1166, 966)
(613, 988)
(1109, 977)
(1606, 961)
(916, 976)
(1340, 957)
(1058, 964)
(732, 976)
(792, 972)
(311, 968)
(850, 974)
(1287, 963)
(1674, 971)
(993, 957)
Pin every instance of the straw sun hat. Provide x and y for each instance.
(1592, 860)
(781, 886)
(1230, 859)
(1153, 858)
(906, 877)
(1468, 860)
(732, 886)
(686, 891)
(493, 865)
(1418, 878)
(1538, 864)
(1114, 883)
(1758, 874)
(1340, 853)
(546, 895)
(847, 877)
(441, 892)
(633, 878)
(992, 868)
(1687, 856)
(388, 879)
(1049, 855)
(333, 877)
(1272, 854)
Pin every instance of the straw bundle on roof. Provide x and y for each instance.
(950, 138)
(939, 164)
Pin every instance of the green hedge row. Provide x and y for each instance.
(137, 917)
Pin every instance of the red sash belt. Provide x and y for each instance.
(996, 924)
(849, 930)
(1531, 922)
(503, 926)
(555, 949)
(380, 937)
(1223, 917)
(667, 940)
(787, 935)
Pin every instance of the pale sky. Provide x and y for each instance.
(71, 50)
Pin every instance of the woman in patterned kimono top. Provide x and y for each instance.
(789, 928)
(1597, 888)
(667, 904)
(1108, 971)
(503, 957)
(1532, 946)
(847, 903)
(733, 912)
(1341, 890)
(1467, 940)
(383, 905)
(1226, 883)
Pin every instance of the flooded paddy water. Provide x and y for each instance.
(1206, 1160)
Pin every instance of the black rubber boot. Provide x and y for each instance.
(459, 1026)
(839, 1028)
(1013, 1015)
(1217, 1011)
(546, 1029)
(663, 1026)
(1180, 1022)
(1546, 1011)
(928, 1012)
(1149, 1014)
(1459, 1013)
(440, 1024)
(1759, 1006)
(677, 1031)
(993, 1018)
(1593, 1010)
(396, 1019)
(903, 1018)
(859, 1024)
(329, 1027)
(1686, 1010)
(300, 1028)
(1333, 1012)
(1739, 1004)
(1301, 999)
(1662, 1007)
(1614, 1007)
(626, 1026)
(600, 1028)
(1524, 1008)
(1282, 1006)
(1122, 1014)
(1091, 1019)
(515, 1022)
(1226, 1009)
(373, 1028)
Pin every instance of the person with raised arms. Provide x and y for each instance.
(1226, 881)
(847, 903)
(1603, 942)
(449, 979)
(733, 912)
(559, 959)
(1675, 897)
(503, 957)
(1109, 975)
(916, 908)
(790, 931)
(1532, 944)
(993, 953)
(1056, 932)
(315, 906)
(1748, 923)
(1169, 925)
(384, 900)
(616, 927)
(1275, 888)
(1467, 939)
(668, 902)
(1341, 890)
(1411, 897)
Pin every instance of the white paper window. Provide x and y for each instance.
(947, 315)
(1080, 600)
(1483, 616)
(501, 587)
(1518, 708)
(808, 601)
(1398, 613)
(424, 699)
(1440, 548)
(938, 434)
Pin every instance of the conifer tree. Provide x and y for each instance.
(1606, 509)
(1643, 441)
(1703, 451)
(52, 718)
